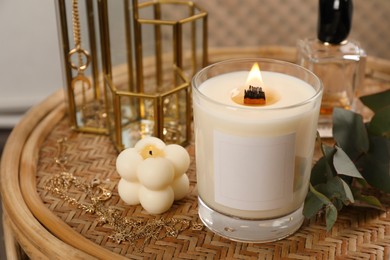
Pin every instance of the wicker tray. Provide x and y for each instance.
(48, 227)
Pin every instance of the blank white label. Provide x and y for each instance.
(253, 173)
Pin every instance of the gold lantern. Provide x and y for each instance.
(128, 65)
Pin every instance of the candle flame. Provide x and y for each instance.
(254, 77)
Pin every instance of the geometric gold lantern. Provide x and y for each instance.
(158, 103)
(143, 55)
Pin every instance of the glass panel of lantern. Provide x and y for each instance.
(141, 55)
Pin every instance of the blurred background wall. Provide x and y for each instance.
(30, 67)
(29, 56)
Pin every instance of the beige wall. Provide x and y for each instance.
(29, 56)
(263, 22)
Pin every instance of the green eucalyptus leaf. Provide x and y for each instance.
(322, 170)
(315, 202)
(377, 101)
(350, 132)
(312, 205)
(363, 183)
(339, 203)
(344, 165)
(328, 151)
(380, 123)
(376, 164)
(377, 174)
(320, 196)
(319, 172)
(348, 192)
(335, 191)
(331, 216)
(331, 189)
(380, 149)
(367, 201)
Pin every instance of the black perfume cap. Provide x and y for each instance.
(334, 20)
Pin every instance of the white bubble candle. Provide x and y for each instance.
(253, 161)
(153, 174)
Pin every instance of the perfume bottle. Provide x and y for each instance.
(336, 60)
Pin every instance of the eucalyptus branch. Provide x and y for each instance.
(361, 155)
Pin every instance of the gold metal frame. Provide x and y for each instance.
(142, 88)
(94, 94)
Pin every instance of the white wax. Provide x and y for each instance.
(284, 132)
(291, 90)
(153, 174)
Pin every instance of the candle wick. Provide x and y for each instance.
(254, 95)
(151, 152)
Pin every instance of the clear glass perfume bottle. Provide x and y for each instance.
(338, 62)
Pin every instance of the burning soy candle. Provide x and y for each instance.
(253, 157)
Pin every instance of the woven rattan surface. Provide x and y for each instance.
(358, 233)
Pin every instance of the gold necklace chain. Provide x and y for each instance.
(76, 24)
(81, 66)
(124, 228)
(92, 112)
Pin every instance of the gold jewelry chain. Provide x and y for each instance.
(92, 112)
(124, 228)
(81, 65)
(76, 23)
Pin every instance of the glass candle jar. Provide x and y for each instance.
(253, 161)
